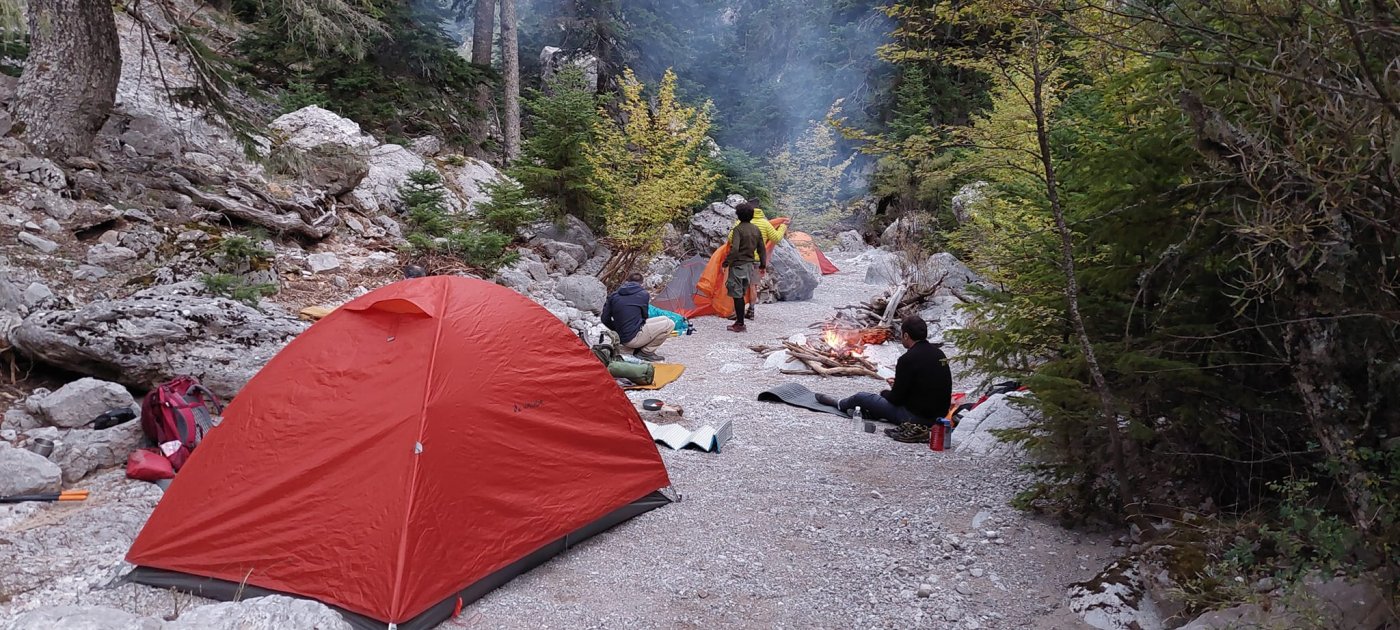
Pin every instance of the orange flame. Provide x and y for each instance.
(843, 341)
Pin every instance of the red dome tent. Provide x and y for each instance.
(412, 451)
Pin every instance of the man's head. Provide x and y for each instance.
(636, 277)
(745, 211)
(414, 271)
(914, 330)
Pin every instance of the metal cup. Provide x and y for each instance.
(42, 446)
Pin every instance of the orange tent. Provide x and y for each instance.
(411, 451)
(810, 253)
(697, 296)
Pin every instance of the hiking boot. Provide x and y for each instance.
(648, 356)
(748, 313)
(738, 328)
(827, 400)
(914, 436)
(907, 427)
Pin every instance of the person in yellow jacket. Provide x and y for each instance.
(771, 236)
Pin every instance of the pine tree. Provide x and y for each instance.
(554, 164)
(69, 84)
(510, 54)
(648, 169)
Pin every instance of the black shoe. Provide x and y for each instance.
(748, 314)
(827, 400)
(648, 356)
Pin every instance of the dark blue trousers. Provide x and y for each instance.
(875, 407)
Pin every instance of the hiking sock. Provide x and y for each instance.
(738, 311)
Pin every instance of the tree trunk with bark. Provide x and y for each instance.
(510, 53)
(1097, 380)
(70, 78)
(483, 38)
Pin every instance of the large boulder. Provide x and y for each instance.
(160, 333)
(974, 432)
(553, 59)
(1335, 603)
(709, 227)
(585, 293)
(313, 127)
(82, 451)
(467, 179)
(26, 472)
(851, 241)
(967, 199)
(389, 166)
(84, 618)
(794, 279)
(261, 613)
(323, 148)
(79, 402)
(904, 232)
(563, 257)
(570, 229)
(954, 275)
(884, 269)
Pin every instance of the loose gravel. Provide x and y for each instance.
(803, 521)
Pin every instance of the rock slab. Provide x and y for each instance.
(157, 334)
(26, 472)
(79, 402)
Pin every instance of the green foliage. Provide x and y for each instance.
(482, 242)
(554, 164)
(240, 249)
(742, 174)
(237, 287)
(381, 63)
(649, 168)
(509, 209)
(770, 66)
(807, 175)
(1232, 261)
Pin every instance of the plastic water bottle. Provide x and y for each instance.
(857, 418)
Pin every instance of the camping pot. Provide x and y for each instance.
(652, 404)
(42, 446)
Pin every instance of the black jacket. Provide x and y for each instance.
(923, 384)
(626, 310)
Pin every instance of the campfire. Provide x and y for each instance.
(840, 352)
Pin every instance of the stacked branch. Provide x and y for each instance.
(884, 310)
(822, 360)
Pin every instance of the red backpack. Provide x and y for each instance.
(176, 415)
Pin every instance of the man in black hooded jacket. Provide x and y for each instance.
(626, 314)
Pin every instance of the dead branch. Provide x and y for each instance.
(278, 222)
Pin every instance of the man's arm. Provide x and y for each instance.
(900, 393)
(762, 252)
(606, 316)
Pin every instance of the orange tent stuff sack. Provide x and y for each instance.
(417, 448)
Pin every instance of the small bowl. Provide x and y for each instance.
(42, 446)
(652, 404)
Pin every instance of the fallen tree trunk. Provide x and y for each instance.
(277, 222)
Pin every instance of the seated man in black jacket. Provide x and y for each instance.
(626, 312)
(921, 390)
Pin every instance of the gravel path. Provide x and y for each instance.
(804, 521)
(801, 522)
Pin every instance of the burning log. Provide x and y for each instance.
(837, 354)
